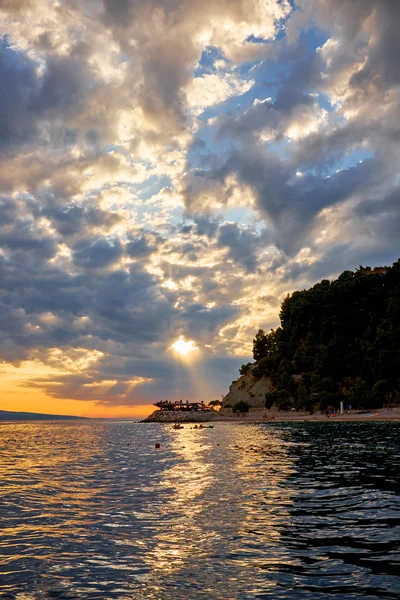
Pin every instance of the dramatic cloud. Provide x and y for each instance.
(168, 171)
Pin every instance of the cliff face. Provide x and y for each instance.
(248, 389)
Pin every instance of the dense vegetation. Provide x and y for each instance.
(338, 341)
(242, 406)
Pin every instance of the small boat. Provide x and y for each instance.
(177, 426)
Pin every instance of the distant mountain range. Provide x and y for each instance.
(6, 415)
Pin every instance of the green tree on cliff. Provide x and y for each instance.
(260, 345)
(340, 338)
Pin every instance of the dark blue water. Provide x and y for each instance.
(285, 511)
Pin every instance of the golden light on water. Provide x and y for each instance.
(185, 349)
(227, 468)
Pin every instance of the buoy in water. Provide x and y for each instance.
(157, 445)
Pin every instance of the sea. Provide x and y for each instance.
(93, 510)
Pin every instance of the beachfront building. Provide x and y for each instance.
(185, 406)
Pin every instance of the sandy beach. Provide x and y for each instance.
(378, 416)
(264, 416)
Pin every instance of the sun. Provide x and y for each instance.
(184, 348)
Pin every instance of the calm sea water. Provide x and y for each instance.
(284, 511)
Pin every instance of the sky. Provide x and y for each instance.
(169, 171)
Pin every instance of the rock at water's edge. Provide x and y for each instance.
(180, 416)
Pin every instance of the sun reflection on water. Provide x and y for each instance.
(185, 484)
(213, 493)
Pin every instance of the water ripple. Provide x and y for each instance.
(304, 510)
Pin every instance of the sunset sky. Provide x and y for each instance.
(169, 171)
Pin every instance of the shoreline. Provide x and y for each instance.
(312, 418)
(275, 417)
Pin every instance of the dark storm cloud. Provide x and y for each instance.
(242, 244)
(20, 87)
(63, 85)
(190, 251)
(198, 319)
(348, 19)
(28, 98)
(34, 289)
(329, 265)
(382, 216)
(97, 254)
(205, 225)
(21, 236)
(9, 211)
(123, 306)
(384, 60)
(119, 13)
(122, 11)
(70, 220)
(22, 241)
(385, 207)
(162, 368)
(143, 245)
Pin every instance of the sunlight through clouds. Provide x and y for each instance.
(184, 349)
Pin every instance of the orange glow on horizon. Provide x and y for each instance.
(39, 402)
(17, 395)
(23, 388)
